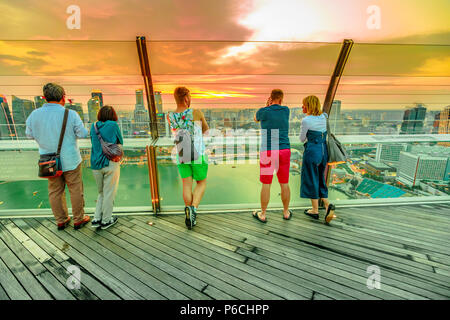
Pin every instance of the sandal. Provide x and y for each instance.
(330, 213)
(289, 217)
(312, 215)
(256, 216)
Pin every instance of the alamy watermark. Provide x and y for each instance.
(374, 279)
(74, 280)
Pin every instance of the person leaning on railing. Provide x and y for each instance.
(44, 126)
(315, 158)
(106, 172)
(188, 126)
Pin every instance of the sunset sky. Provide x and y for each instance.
(244, 64)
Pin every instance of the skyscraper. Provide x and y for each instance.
(7, 128)
(413, 120)
(389, 152)
(77, 107)
(335, 116)
(141, 119)
(99, 95)
(21, 109)
(93, 108)
(39, 101)
(158, 102)
(444, 121)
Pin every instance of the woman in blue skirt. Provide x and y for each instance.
(315, 158)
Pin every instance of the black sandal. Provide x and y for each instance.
(256, 216)
(312, 215)
(289, 217)
(330, 213)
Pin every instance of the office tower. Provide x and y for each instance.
(39, 101)
(141, 118)
(7, 129)
(158, 102)
(444, 121)
(162, 124)
(416, 167)
(413, 120)
(77, 107)
(99, 95)
(93, 108)
(21, 109)
(335, 116)
(389, 152)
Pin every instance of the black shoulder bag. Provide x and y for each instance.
(50, 163)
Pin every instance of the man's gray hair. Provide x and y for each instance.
(53, 92)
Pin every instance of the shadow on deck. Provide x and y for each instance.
(233, 256)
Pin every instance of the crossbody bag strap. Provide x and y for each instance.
(63, 131)
(99, 136)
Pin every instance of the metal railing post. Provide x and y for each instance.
(151, 106)
(347, 45)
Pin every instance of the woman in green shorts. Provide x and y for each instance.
(192, 165)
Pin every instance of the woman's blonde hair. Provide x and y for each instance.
(312, 104)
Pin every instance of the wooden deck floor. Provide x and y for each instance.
(233, 256)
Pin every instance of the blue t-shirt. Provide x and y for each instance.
(274, 117)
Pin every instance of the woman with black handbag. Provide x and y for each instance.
(106, 154)
(315, 158)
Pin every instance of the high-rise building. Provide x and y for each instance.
(21, 109)
(162, 124)
(158, 102)
(7, 129)
(335, 116)
(413, 168)
(125, 126)
(413, 120)
(99, 95)
(444, 121)
(389, 152)
(93, 108)
(141, 118)
(77, 107)
(39, 101)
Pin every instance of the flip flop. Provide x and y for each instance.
(312, 215)
(289, 217)
(256, 216)
(330, 213)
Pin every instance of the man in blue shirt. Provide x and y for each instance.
(275, 152)
(44, 126)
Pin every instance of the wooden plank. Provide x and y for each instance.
(398, 280)
(88, 281)
(102, 275)
(11, 286)
(37, 276)
(353, 250)
(217, 278)
(162, 276)
(43, 243)
(114, 267)
(31, 246)
(3, 295)
(259, 289)
(240, 270)
(23, 275)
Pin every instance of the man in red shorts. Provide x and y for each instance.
(275, 152)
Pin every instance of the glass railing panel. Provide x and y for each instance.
(394, 167)
(93, 74)
(394, 89)
(21, 188)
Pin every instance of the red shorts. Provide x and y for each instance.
(279, 160)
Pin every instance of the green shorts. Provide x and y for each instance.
(198, 171)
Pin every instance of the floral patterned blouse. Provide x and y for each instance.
(185, 120)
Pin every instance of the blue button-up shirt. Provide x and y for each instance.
(44, 126)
